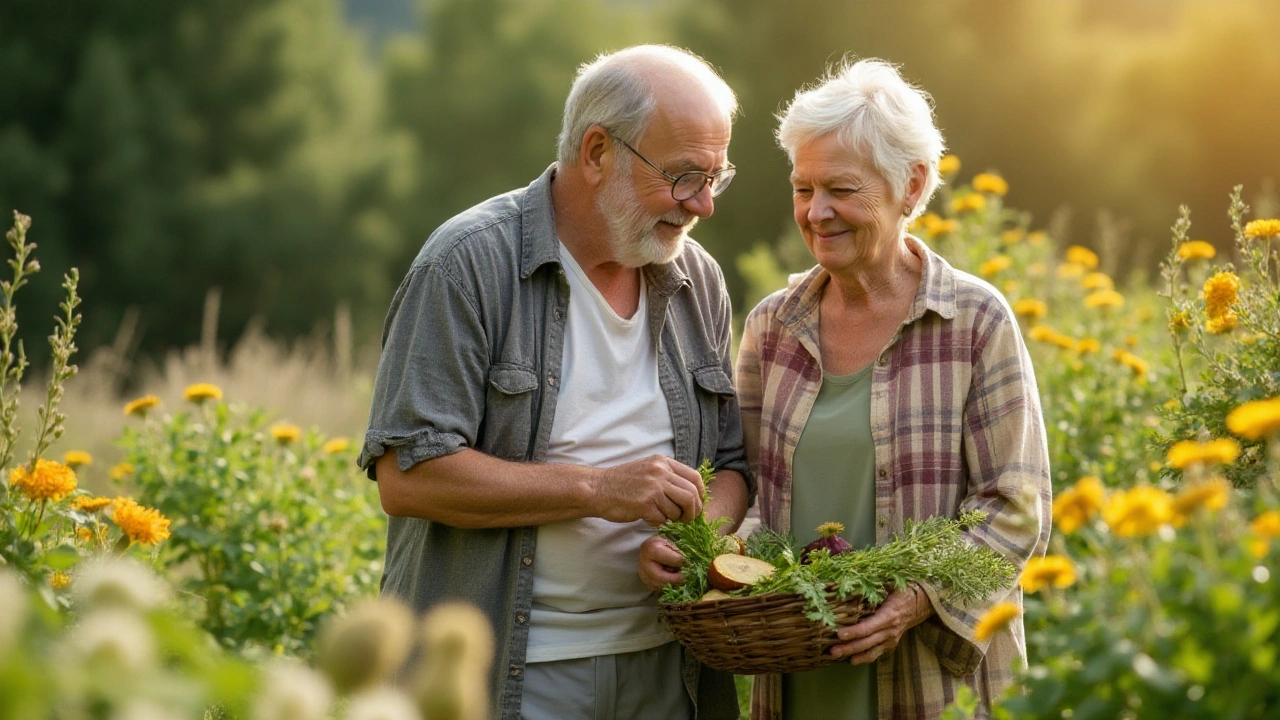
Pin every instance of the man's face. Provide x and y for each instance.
(639, 236)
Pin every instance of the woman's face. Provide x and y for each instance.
(845, 210)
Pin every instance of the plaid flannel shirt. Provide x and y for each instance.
(956, 424)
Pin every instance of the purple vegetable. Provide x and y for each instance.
(829, 540)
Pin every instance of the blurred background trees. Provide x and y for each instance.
(295, 153)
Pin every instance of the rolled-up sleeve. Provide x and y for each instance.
(428, 398)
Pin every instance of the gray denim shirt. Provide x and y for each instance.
(472, 350)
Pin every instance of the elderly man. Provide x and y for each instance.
(554, 367)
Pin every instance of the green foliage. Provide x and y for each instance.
(278, 531)
(1236, 366)
(699, 540)
(1181, 623)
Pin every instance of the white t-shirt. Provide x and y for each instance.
(587, 596)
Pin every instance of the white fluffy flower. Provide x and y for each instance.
(382, 703)
(116, 639)
(13, 598)
(292, 692)
(119, 583)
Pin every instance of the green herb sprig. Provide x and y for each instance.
(699, 540)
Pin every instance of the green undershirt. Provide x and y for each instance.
(833, 480)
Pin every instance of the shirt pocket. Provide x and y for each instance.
(508, 414)
(713, 392)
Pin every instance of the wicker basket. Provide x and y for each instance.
(758, 633)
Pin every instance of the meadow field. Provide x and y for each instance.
(200, 524)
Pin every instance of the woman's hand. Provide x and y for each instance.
(880, 632)
(660, 563)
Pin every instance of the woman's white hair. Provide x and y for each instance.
(874, 112)
(614, 92)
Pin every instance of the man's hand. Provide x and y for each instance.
(660, 563)
(880, 632)
(654, 489)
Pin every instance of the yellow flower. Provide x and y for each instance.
(1180, 321)
(76, 458)
(284, 433)
(1073, 507)
(1104, 299)
(1220, 293)
(141, 524)
(1097, 281)
(972, 201)
(1038, 237)
(1190, 452)
(141, 405)
(993, 620)
(1031, 308)
(1256, 229)
(1088, 346)
(1013, 237)
(51, 481)
(84, 534)
(1222, 324)
(948, 165)
(85, 503)
(1256, 420)
(1055, 570)
(121, 471)
(1070, 270)
(1081, 255)
(1138, 511)
(60, 580)
(989, 183)
(1133, 362)
(994, 265)
(200, 392)
(335, 446)
(1046, 334)
(1266, 525)
(1196, 249)
(1211, 495)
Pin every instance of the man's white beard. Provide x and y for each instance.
(633, 234)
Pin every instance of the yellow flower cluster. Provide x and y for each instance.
(1138, 511)
(1068, 271)
(948, 165)
(1031, 308)
(935, 225)
(1083, 256)
(121, 471)
(285, 433)
(1133, 362)
(1088, 346)
(1104, 299)
(1046, 334)
(335, 446)
(1050, 570)
(1190, 452)
(141, 405)
(1258, 229)
(141, 524)
(60, 580)
(990, 183)
(1097, 281)
(1220, 293)
(1256, 420)
(1073, 507)
(75, 458)
(1013, 237)
(995, 619)
(1265, 528)
(972, 202)
(51, 481)
(86, 503)
(1196, 250)
(994, 265)
(200, 392)
(1212, 495)
(1180, 321)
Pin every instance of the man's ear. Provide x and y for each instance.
(594, 155)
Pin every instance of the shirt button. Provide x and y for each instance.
(520, 618)
(551, 380)
(884, 472)
(558, 314)
(884, 360)
(527, 560)
(515, 671)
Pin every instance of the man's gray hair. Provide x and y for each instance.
(874, 112)
(614, 92)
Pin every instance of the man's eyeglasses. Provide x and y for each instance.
(688, 184)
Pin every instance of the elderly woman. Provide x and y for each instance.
(884, 385)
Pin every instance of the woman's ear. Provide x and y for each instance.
(915, 185)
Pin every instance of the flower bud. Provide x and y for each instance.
(366, 645)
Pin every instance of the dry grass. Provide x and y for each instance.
(319, 382)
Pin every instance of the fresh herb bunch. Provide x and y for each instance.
(699, 540)
(932, 551)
